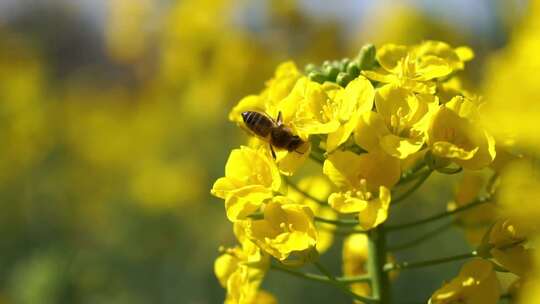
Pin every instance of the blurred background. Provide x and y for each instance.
(113, 121)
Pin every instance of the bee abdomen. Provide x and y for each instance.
(258, 123)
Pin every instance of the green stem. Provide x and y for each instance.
(342, 287)
(337, 222)
(348, 231)
(320, 278)
(477, 202)
(449, 171)
(420, 239)
(380, 284)
(412, 189)
(412, 177)
(316, 158)
(304, 193)
(412, 173)
(419, 264)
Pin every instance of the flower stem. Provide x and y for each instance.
(411, 190)
(319, 278)
(342, 287)
(427, 236)
(477, 202)
(380, 284)
(337, 222)
(316, 158)
(412, 173)
(419, 264)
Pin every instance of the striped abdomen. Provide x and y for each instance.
(259, 123)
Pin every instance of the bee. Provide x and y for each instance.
(274, 132)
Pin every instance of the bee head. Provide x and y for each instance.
(245, 116)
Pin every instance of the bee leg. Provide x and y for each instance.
(299, 152)
(279, 119)
(273, 152)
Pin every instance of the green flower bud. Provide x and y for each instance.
(353, 69)
(331, 72)
(344, 64)
(343, 79)
(366, 57)
(310, 68)
(317, 77)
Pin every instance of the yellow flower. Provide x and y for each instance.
(286, 232)
(307, 108)
(455, 58)
(364, 182)
(320, 188)
(270, 101)
(243, 286)
(355, 256)
(506, 239)
(314, 108)
(476, 283)
(476, 221)
(512, 84)
(241, 269)
(267, 101)
(416, 67)
(251, 177)
(399, 126)
(454, 134)
(518, 192)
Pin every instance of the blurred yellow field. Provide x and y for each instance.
(269, 151)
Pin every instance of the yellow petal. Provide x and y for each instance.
(464, 53)
(517, 259)
(248, 103)
(449, 150)
(347, 169)
(344, 203)
(380, 75)
(338, 137)
(357, 98)
(289, 162)
(433, 67)
(245, 201)
(369, 130)
(389, 55)
(224, 266)
(400, 147)
(376, 212)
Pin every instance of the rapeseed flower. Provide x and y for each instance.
(476, 283)
(455, 134)
(399, 126)
(364, 183)
(251, 177)
(286, 232)
(417, 67)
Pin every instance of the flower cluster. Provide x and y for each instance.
(392, 117)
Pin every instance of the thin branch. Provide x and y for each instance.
(320, 278)
(338, 222)
(342, 287)
(477, 202)
(420, 239)
(412, 173)
(411, 190)
(419, 264)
